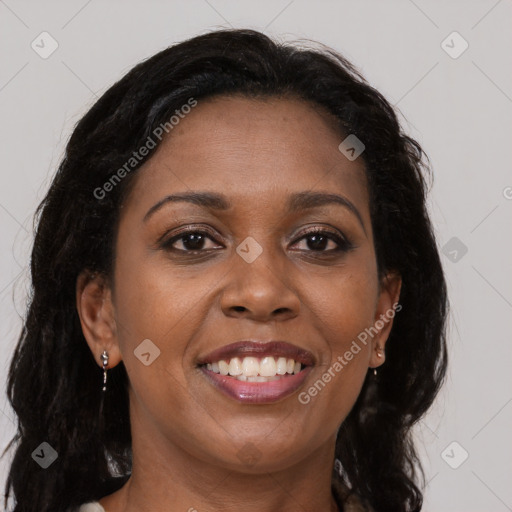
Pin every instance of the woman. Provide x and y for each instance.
(237, 298)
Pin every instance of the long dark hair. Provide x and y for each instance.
(54, 384)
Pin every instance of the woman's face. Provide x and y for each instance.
(248, 267)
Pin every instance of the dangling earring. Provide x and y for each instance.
(379, 355)
(104, 358)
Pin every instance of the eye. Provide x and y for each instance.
(189, 241)
(323, 241)
(319, 240)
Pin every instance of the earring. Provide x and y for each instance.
(104, 358)
(379, 355)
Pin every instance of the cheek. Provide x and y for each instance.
(158, 303)
(344, 305)
(342, 309)
(154, 303)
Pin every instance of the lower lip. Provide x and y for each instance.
(257, 392)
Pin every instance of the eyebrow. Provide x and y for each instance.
(296, 202)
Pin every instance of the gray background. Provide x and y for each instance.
(457, 108)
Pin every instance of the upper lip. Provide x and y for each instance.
(259, 349)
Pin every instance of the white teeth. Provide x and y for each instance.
(250, 368)
(281, 366)
(268, 367)
(235, 367)
(223, 367)
(257, 379)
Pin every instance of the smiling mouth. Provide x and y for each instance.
(255, 369)
(257, 372)
(253, 380)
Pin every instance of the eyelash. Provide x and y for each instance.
(344, 245)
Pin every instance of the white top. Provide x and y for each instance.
(93, 506)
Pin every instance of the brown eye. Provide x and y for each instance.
(189, 241)
(325, 241)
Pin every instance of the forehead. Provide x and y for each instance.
(254, 150)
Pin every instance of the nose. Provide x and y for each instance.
(259, 291)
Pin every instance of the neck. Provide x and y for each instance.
(166, 477)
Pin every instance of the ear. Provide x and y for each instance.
(97, 316)
(387, 307)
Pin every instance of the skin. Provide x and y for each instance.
(190, 442)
